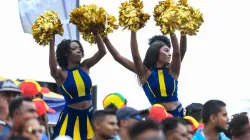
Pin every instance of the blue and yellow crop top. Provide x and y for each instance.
(77, 86)
(160, 86)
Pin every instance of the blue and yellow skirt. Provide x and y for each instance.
(75, 123)
(178, 112)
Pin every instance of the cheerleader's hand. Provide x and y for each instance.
(94, 31)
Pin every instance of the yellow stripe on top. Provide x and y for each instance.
(66, 91)
(174, 87)
(89, 129)
(77, 135)
(162, 83)
(150, 89)
(64, 126)
(79, 83)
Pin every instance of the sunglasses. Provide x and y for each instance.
(137, 117)
(242, 113)
(34, 131)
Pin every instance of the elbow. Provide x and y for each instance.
(53, 74)
(183, 50)
(117, 57)
(177, 54)
(103, 52)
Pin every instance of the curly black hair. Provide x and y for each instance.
(239, 126)
(160, 38)
(63, 49)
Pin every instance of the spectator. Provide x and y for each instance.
(105, 125)
(9, 90)
(32, 89)
(4, 126)
(111, 107)
(239, 127)
(158, 113)
(190, 129)
(21, 109)
(42, 109)
(194, 110)
(145, 130)
(32, 129)
(127, 117)
(194, 123)
(215, 118)
(174, 129)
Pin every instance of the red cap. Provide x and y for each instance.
(158, 113)
(31, 88)
(193, 121)
(42, 107)
(201, 125)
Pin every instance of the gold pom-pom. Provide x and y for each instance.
(166, 15)
(46, 25)
(131, 15)
(89, 17)
(191, 19)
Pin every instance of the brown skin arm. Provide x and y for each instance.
(175, 65)
(141, 71)
(116, 55)
(183, 46)
(54, 71)
(90, 62)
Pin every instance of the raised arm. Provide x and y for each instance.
(183, 46)
(98, 55)
(176, 57)
(116, 55)
(139, 67)
(54, 72)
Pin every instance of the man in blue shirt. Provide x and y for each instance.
(215, 118)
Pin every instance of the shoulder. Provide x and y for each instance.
(198, 135)
(194, 137)
(223, 136)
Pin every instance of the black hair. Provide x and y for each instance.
(99, 115)
(152, 54)
(142, 126)
(170, 124)
(194, 110)
(239, 126)
(111, 106)
(211, 107)
(161, 38)
(16, 104)
(39, 95)
(63, 49)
